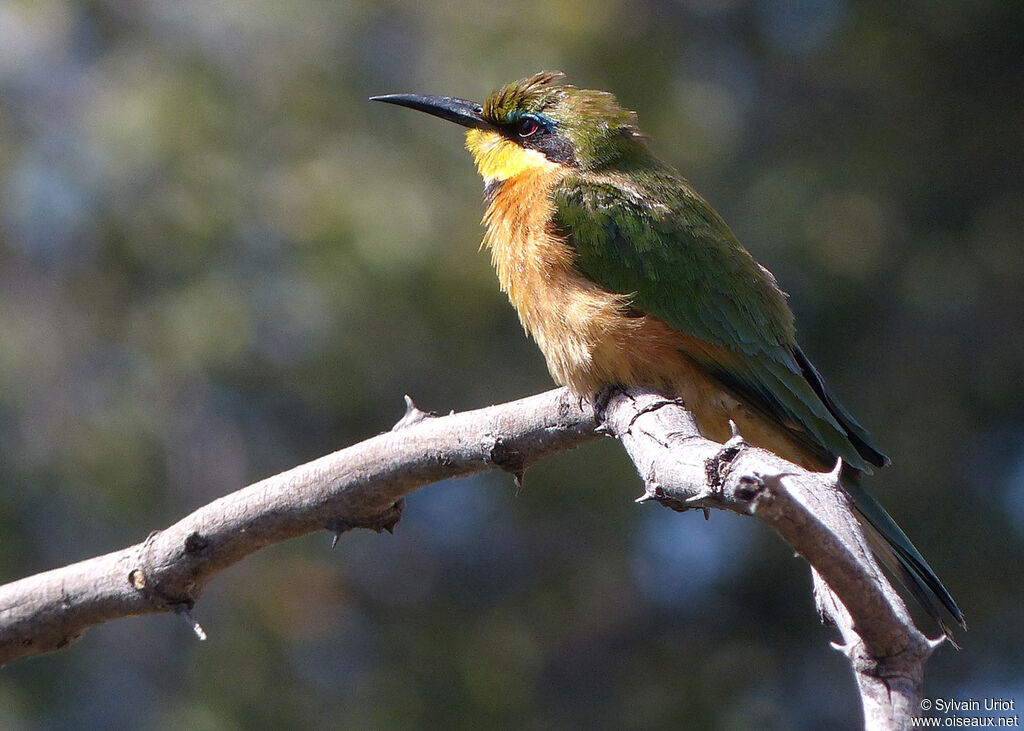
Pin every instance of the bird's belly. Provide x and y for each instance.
(590, 344)
(597, 347)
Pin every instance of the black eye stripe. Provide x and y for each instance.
(533, 132)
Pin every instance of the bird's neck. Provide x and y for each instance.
(524, 250)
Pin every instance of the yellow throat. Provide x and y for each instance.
(498, 158)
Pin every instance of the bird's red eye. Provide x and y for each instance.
(528, 127)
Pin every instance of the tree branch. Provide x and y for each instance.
(812, 513)
(363, 486)
(360, 486)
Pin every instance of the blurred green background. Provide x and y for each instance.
(217, 260)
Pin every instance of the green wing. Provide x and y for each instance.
(655, 239)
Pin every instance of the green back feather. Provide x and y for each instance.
(649, 235)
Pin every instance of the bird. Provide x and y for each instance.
(625, 276)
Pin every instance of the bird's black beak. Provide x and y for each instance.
(460, 111)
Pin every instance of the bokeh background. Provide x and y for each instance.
(217, 261)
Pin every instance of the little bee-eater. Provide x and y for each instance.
(623, 274)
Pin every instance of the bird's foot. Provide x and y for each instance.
(600, 401)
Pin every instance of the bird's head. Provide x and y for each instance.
(536, 123)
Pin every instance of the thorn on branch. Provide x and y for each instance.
(384, 521)
(185, 612)
(413, 415)
(652, 491)
(736, 441)
(517, 477)
(508, 459)
(837, 471)
(337, 527)
(655, 492)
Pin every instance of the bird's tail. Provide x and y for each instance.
(892, 547)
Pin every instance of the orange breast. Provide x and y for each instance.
(590, 337)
